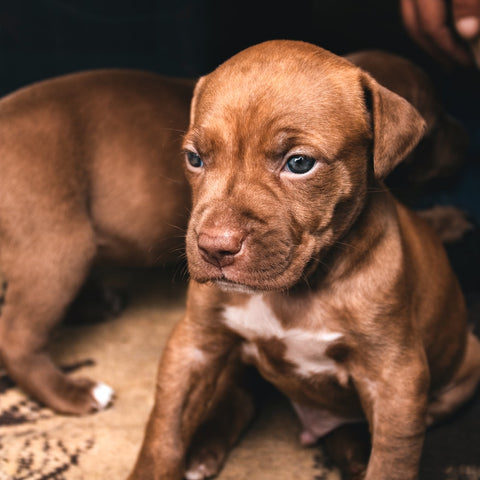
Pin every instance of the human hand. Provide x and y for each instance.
(449, 31)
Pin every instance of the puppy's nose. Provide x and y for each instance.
(220, 247)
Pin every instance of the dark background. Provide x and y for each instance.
(44, 38)
(41, 38)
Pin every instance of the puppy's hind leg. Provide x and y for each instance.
(461, 387)
(43, 277)
(231, 411)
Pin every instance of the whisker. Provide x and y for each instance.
(182, 272)
(345, 246)
(305, 279)
(172, 225)
(171, 129)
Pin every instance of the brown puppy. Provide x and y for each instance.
(442, 150)
(305, 266)
(89, 171)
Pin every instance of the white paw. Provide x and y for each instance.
(197, 473)
(103, 395)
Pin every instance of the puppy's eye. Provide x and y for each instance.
(300, 164)
(194, 160)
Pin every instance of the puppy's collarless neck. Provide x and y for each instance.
(351, 251)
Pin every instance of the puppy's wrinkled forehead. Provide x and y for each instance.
(279, 85)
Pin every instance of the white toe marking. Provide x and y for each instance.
(198, 474)
(103, 394)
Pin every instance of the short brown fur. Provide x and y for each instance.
(89, 173)
(326, 256)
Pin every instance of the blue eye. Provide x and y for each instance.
(194, 160)
(300, 164)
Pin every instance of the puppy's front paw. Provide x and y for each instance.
(204, 464)
(80, 396)
(103, 395)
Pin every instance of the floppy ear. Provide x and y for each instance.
(397, 126)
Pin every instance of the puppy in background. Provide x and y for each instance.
(305, 266)
(89, 173)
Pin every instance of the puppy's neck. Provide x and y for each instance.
(351, 251)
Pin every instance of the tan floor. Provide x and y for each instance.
(36, 444)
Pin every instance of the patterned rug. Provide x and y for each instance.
(37, 444)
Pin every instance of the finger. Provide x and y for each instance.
(409, 10)
(466, 17)
(432, 20)
(432, 17)
(409, 16)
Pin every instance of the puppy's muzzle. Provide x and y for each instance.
(220, 247)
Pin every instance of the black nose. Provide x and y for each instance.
(219, 247)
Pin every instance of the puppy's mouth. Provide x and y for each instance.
(248, 253)
(257, 270)
(234, 287)
(227, 285)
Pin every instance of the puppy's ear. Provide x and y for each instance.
(397, 126)
(196, 94)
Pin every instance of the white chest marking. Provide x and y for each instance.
(304, 348)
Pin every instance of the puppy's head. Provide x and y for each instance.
(284, 140)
